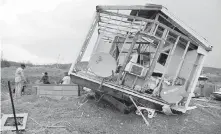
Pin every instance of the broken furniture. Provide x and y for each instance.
(145, 41)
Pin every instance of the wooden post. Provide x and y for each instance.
(154, 28)
(86, 42)
(157, 54)
(13, 107)
(145, 120)
(192, 73)
(181, 63)
(167, 64)
(97, 43)
(128, 55)
(79, 90)
(196, 71)
(149, 20)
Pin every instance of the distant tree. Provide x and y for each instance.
(5, 63)
(28, 63)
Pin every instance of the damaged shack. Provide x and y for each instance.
(158, 58)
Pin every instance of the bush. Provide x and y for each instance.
(5, 63)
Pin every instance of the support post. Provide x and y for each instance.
(13, 107)
(149, 20)
(128, 55)
(157, 54)
(192, 73)
(167, 64)
(80, 88)
(181, 63)
(155, 25)
(196, 71)
(145, 120)
(86, 42)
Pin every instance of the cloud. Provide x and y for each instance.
(17, 53)
(48, 28)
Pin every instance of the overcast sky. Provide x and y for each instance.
(41, 30)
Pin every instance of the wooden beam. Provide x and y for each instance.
(113, 24)
(196, 72)
(157, 54)
(134, 7)
(167, 48)
(97, 42)
(128, 55)
(121, 20)
(181, 63)
(145, 120)
(155, 25)
(127, 16)
(160, 24)
(131, 42)
(108, 86)
(192, 74)
(153, 37)
(109, 33)
(193, 38)
(166, 65)
(114, 33)
(166, 20)
(86, 42)
(104, 27)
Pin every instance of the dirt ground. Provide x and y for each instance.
(102, 118)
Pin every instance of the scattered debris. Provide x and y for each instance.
(209, 106)
(167, 110)
(201, 105)
(145, 120)
(45, 127)
(150, 112)
(80, 105)
(201, 99)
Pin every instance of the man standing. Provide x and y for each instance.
(19, 80)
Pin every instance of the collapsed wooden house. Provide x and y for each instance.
(159, 59)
